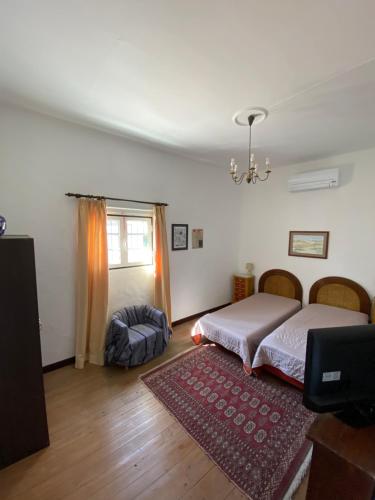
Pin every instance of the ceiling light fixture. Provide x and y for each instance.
(248, 117)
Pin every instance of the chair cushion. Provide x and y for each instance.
(146, 342)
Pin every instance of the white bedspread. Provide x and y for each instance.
(285, 348)
(241, 326)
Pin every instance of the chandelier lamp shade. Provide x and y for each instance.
(252, 175)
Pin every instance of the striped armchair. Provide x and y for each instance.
(136, 335)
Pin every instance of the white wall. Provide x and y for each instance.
(269, 212)
(41, 158)
(131, 286)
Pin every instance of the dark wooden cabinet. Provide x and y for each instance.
(23, 420)
(343, 462)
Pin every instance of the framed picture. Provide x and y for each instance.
(180, 236)
(197, 238)
(308, 244)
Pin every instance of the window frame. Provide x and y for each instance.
(115, 266)
(124, 240)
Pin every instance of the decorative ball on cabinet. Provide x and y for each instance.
(3, 225)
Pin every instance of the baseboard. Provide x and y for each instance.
(59, 364)
(197, 315)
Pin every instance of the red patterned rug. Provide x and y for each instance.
(253, 430)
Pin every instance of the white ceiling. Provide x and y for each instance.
(173, 72)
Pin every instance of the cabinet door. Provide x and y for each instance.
(23, 422)
(332, 477)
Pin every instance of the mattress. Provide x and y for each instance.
(241, 326)
(285, 348)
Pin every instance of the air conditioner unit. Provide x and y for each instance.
(317, 179)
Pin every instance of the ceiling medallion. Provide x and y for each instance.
(249, 117)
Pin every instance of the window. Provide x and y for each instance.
(129, 240)
(113, 240)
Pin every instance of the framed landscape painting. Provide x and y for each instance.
(308, 244)
(179, 236)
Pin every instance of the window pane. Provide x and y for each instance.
(114, 257)
(113, 241)
(139, 246)
(129, 240)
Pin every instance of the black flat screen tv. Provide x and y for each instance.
(340, 373)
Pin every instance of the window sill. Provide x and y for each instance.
(130, 267)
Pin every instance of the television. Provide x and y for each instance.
(340, 373)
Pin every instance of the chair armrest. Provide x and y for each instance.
(119, 329)
(117, 340)
(156, 317)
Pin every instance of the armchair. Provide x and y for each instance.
(136, 335)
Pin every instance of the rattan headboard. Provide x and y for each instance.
(340, 292)
(280, 282)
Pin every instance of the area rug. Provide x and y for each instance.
(254, 430)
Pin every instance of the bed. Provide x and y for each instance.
(333, 301)
(241, 326)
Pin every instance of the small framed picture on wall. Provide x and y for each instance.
(197, 238)
(180, 236)
(308, 244)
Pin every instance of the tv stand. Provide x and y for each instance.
(358, 416)
(343, 461)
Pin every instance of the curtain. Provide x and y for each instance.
(92, 282)
(162, 292)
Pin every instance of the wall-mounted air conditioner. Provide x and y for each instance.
(317, 179)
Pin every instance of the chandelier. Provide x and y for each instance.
(252, 174)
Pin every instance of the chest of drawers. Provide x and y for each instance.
(243, 286)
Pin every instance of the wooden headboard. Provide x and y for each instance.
(340, 292)
(280, 282)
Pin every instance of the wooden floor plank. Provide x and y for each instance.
(111, 439)
(213, 485)
(135, 476)
(235, 494)
(180, 478)
(79, 473)
(99, 442)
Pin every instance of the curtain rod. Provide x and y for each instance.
(99, 197)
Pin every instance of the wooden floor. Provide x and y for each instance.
(111, 439)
